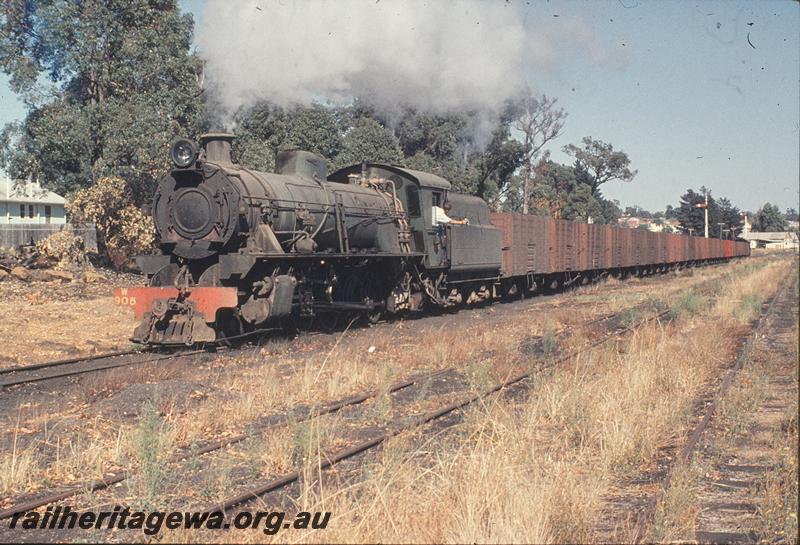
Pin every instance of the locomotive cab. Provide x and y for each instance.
(458, 248)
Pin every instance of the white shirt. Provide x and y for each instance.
(440, 216)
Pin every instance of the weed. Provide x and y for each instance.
(750, 307)
(789, 420)
(382, 407)
(424, 388)
(253, 449)
(655, 303)
(688, 305)
(302, 442)
(193, 462)
(478, 375)
(550, 346)
(777, 509)
(677, 511)
(152, 446)
(741, 402)
(215, 483)
(629, 317)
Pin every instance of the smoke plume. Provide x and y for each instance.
(436, 56)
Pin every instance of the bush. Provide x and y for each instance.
(123, 230)
(64, 247)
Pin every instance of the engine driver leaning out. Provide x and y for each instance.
(439, 215)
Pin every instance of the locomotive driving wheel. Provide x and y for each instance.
(328, 321)
(366, 287)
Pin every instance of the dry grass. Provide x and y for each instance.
(17, 468)
(739, 302)
(533, 472)
(538, 470)
(748, 392)
(87, 456)
(572, 430)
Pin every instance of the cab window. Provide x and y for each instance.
(412, 197)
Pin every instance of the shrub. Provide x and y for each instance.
(123, 230)
(64, 247)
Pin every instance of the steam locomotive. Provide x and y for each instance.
(240, 249)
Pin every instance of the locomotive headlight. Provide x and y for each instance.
(183, 153)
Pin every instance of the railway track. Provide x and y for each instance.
(298, 414)
(78, 366)
(303, 413)
(329, 459)
(26, 374)
(646, 515)
(184, 452)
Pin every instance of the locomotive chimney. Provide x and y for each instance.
(217, 146)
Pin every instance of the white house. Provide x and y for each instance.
(29, 203)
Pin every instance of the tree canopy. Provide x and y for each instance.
(369, 140)
(720, 211)
(108, 84)
(264, 129)
(441, 144)
(601, 161)
(563, 192)
(769, 219)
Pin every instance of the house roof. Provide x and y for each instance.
(27, 193)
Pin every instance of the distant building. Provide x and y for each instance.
(29, 203)
(656, 225)
(628, 221)
(782, 240)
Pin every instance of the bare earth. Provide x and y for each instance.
(44, 321)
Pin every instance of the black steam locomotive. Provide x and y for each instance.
(241, 249)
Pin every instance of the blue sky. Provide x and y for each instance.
(696, 104)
